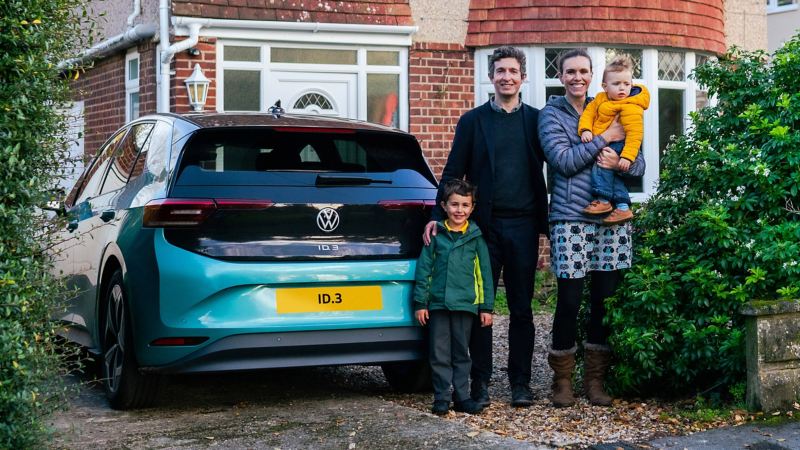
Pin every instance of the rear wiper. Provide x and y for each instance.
(334, 180)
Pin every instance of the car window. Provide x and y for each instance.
(153, 156)
(258, 150)
(93, 176)
(125, 154)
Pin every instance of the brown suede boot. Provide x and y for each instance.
(563, 364)
(596, 359)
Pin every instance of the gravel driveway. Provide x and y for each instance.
(349, 407)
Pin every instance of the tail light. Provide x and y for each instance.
(178, 341)
(407, 204)
(180, 212)
(242, 204)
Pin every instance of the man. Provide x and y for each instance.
(496, 146)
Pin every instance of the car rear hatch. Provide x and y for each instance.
(297, 193)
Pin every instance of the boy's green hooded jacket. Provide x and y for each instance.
(454, 272)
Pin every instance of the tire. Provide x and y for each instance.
(412, 376)
(125, 386)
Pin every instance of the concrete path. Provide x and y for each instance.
(751, 437)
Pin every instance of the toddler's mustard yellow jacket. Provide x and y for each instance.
(600, 112)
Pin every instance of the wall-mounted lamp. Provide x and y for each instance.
(197, 85)
(194, 51)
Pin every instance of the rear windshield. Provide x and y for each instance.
(211, 153)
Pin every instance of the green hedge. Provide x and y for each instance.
(34, 36)
(723, 228)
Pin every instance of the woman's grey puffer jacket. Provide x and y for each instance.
(570, 161)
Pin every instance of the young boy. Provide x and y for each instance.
(623, 98)
(453, 286)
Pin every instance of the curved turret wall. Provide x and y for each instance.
(694, 25)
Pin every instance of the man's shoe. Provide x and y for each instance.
(597, 207)
(440, 407)
(468, 406)
(479, 392)
(521, 395)
(618, 216)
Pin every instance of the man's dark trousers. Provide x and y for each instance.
(513, 248)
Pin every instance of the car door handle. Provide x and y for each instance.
(72, 225)
(107, 215)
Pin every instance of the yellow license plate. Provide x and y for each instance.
(323, 299)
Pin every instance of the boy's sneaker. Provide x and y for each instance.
(618, 216)
(440, 407)
(597, 207)
(468, 406)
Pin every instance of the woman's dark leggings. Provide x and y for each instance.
(570, 292)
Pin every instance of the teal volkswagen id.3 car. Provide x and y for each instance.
(224, 242)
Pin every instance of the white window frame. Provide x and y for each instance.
(131, 85)
(772, 6)
(533, 93)
(360, 69)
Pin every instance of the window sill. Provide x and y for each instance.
(781, 9)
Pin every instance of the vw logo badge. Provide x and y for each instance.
(327, 219)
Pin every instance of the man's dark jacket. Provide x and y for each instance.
(472, 155)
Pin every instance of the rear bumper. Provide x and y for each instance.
(302, 349)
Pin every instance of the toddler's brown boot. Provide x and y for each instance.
(618, 216)
(597, 207)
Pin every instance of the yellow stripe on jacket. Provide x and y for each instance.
(478, 282)
(600, 112)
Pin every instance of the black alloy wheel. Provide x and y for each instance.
(126, 387)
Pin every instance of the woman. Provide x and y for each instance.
(581, 245)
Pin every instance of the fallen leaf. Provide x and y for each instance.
(473, 433)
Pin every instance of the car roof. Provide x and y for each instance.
(215, 120)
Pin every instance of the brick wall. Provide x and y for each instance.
(183, 65)
(441, 89)
(148, 58)
(690, 24)
(385, 12)
(102, 89)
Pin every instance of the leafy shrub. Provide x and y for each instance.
(723, 228)
(34, 35)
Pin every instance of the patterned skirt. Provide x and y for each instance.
(577, 248)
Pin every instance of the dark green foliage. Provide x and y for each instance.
(722, 229)
(34, 36)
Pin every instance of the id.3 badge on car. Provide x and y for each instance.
(333, 298)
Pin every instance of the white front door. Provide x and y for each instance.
(330, 94)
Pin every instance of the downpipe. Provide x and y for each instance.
(169, 51)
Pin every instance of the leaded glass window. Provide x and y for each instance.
(635, 54)
(671, 66)
(313, 99)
